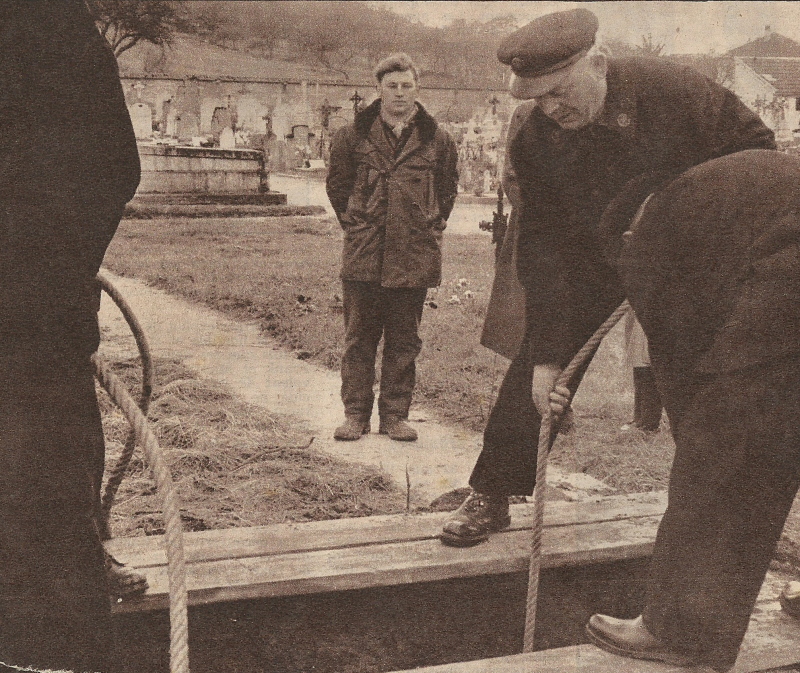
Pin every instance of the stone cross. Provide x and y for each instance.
(355, 99)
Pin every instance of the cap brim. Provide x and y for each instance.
(526, 88)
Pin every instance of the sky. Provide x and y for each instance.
(683, 27)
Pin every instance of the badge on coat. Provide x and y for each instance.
(623, 120)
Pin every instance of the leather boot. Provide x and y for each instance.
(479, 515)
(351, 429)
(630, 638)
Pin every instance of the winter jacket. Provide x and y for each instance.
(658, 118)
(392, 209)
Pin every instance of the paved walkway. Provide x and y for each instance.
(256, 369)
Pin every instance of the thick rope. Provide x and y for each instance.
(545, 443)
(176, 567)
(117, 471)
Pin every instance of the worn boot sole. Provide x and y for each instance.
(664, 656)
(455, 540)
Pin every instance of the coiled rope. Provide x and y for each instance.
(176, 565)
(545, 443)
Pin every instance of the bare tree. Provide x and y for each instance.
(650, 47)
(125, 23)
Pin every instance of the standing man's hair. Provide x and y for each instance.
(399, 62)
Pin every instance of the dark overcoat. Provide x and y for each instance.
(504, 326)
(658, 117)
(392, 209)
(712, 270)
(68, 164)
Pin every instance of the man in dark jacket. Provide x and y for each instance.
(711, 266)
(392, 182)
(599, 123)
(68, 164)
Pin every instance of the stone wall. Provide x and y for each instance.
(169, 169)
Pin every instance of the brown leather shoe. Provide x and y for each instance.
(630, 638)
(123, 582)
(790, 599)
(397, 429)
(351, 429)
(479, 516)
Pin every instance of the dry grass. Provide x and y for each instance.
(284, 272)
(233, 464)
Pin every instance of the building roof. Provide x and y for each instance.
(769, 45)
(782, 73)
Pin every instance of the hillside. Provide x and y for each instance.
(188, 56)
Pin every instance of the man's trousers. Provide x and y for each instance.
(507, 462)
(54, 605)
(734, 478)
(372, 312)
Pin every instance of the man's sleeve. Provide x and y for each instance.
(341, 172)
(724, 124)
(448, 178)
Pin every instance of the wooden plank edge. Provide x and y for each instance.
(420, 561)
(277, 539)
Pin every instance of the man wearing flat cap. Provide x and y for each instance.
(598, 123)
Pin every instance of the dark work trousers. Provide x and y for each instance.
(507, 462)
(647, 405)
(372, 311)
(54, 605)
(734, 478)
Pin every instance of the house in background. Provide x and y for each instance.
(765, 74)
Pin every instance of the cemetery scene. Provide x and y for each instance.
(446, 399)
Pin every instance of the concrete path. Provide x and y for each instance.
(257, 370)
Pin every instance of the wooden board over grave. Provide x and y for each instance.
(306, 558)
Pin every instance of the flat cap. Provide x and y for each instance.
(549, 44)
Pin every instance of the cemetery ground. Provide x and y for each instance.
(237, 466)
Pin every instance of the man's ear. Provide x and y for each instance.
(599, 63)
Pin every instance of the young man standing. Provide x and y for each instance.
(392, 182)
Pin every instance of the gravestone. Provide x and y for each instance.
(142, 120)
(187, 125)
(221, 119)
(227, 139)
(280, 122)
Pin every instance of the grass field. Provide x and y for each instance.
(283, 272)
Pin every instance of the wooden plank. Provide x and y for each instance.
(393, 563)
(772, 641)
(251, 542)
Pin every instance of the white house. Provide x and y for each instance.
(765, 74)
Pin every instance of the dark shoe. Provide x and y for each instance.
(351, 430)
(397, 429)
(479, 516)
(790, 599)
(122, 581)
(630, 638)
